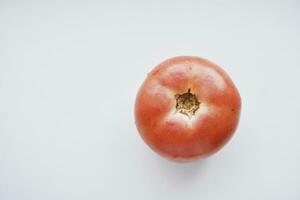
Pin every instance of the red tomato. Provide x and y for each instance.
(187, 108)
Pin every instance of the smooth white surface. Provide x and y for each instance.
(69, 73)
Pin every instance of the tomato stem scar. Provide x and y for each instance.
(187, 103)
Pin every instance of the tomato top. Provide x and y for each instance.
(187, 107)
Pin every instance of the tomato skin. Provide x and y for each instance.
(174, 135)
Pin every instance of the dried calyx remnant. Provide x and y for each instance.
(187, 103)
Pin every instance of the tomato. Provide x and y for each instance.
(187, 108)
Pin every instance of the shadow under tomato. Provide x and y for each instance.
(181, 174)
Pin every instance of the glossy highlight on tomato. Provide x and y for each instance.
(187, 108)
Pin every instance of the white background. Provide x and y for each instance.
(69, 73)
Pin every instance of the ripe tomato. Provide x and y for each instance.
(187, 108)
